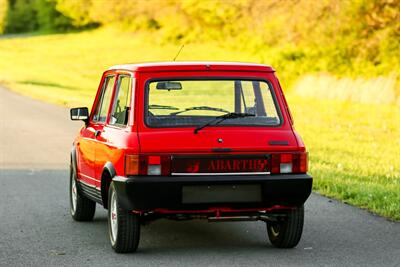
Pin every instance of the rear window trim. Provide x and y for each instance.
(211, 78)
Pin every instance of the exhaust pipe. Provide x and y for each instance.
(264, 218)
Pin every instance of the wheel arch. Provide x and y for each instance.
(106, 177)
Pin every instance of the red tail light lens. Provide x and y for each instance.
(275, 163)
(165, 165)
(303, 162)
(286, 158)
(154, 160)
(147, 165)
(289, 163)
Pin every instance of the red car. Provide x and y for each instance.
(189, 140)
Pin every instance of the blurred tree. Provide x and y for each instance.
(21, 16)
(32, 15)
(3, 12)
(50, 19)
(296, 36)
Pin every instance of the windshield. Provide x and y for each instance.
(175, 103)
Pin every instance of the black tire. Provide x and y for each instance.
(84, 208)
(127, 224)
(287, 233)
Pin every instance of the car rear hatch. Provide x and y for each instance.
(233, 140)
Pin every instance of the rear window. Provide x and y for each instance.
(175, 103)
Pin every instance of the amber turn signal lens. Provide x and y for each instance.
(131, 165)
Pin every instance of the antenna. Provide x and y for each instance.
(179, 52)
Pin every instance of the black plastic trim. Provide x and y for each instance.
(91, 192)
(110, 168)
(151, 192)
(221, 149)
(278, 143)
(74, 160)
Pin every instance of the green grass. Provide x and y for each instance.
(354, 151)
(354, 148)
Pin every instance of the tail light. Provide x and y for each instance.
(147, 165)
(281, 163)
(289, 163)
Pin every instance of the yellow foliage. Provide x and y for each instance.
(77, 10)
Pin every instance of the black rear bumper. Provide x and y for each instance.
(146, 193)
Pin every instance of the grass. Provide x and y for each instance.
(66, 68)
(354, 148)
(354, 151)
(378, 90)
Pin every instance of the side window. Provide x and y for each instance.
(265, 99)
(100, 114)
(121, 105)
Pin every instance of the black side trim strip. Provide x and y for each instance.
(91, 192)
(221, 149)
(278, 143)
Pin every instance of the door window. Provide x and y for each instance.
(121, 105)
(103, 104)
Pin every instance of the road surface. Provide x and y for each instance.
(37, 230)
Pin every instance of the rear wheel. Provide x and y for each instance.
(81, 208)
(123, 225)
(287, 233)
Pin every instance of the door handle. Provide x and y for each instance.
(97, 133)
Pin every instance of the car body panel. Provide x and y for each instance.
(85, 145)
(214, 139)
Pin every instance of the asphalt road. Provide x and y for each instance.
(36, 228)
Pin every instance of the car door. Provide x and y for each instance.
(99, 119)
(87, 143)
(114, 135)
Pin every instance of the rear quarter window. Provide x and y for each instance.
(121, 104)
(101, 110)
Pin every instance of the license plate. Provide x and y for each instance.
(197, 194)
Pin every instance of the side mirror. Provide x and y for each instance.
(80, 114)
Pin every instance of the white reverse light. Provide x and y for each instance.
(154, 170)
(286, 168)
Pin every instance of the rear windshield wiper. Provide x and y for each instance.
(199, 108)
(162, 107)
(219, 119)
